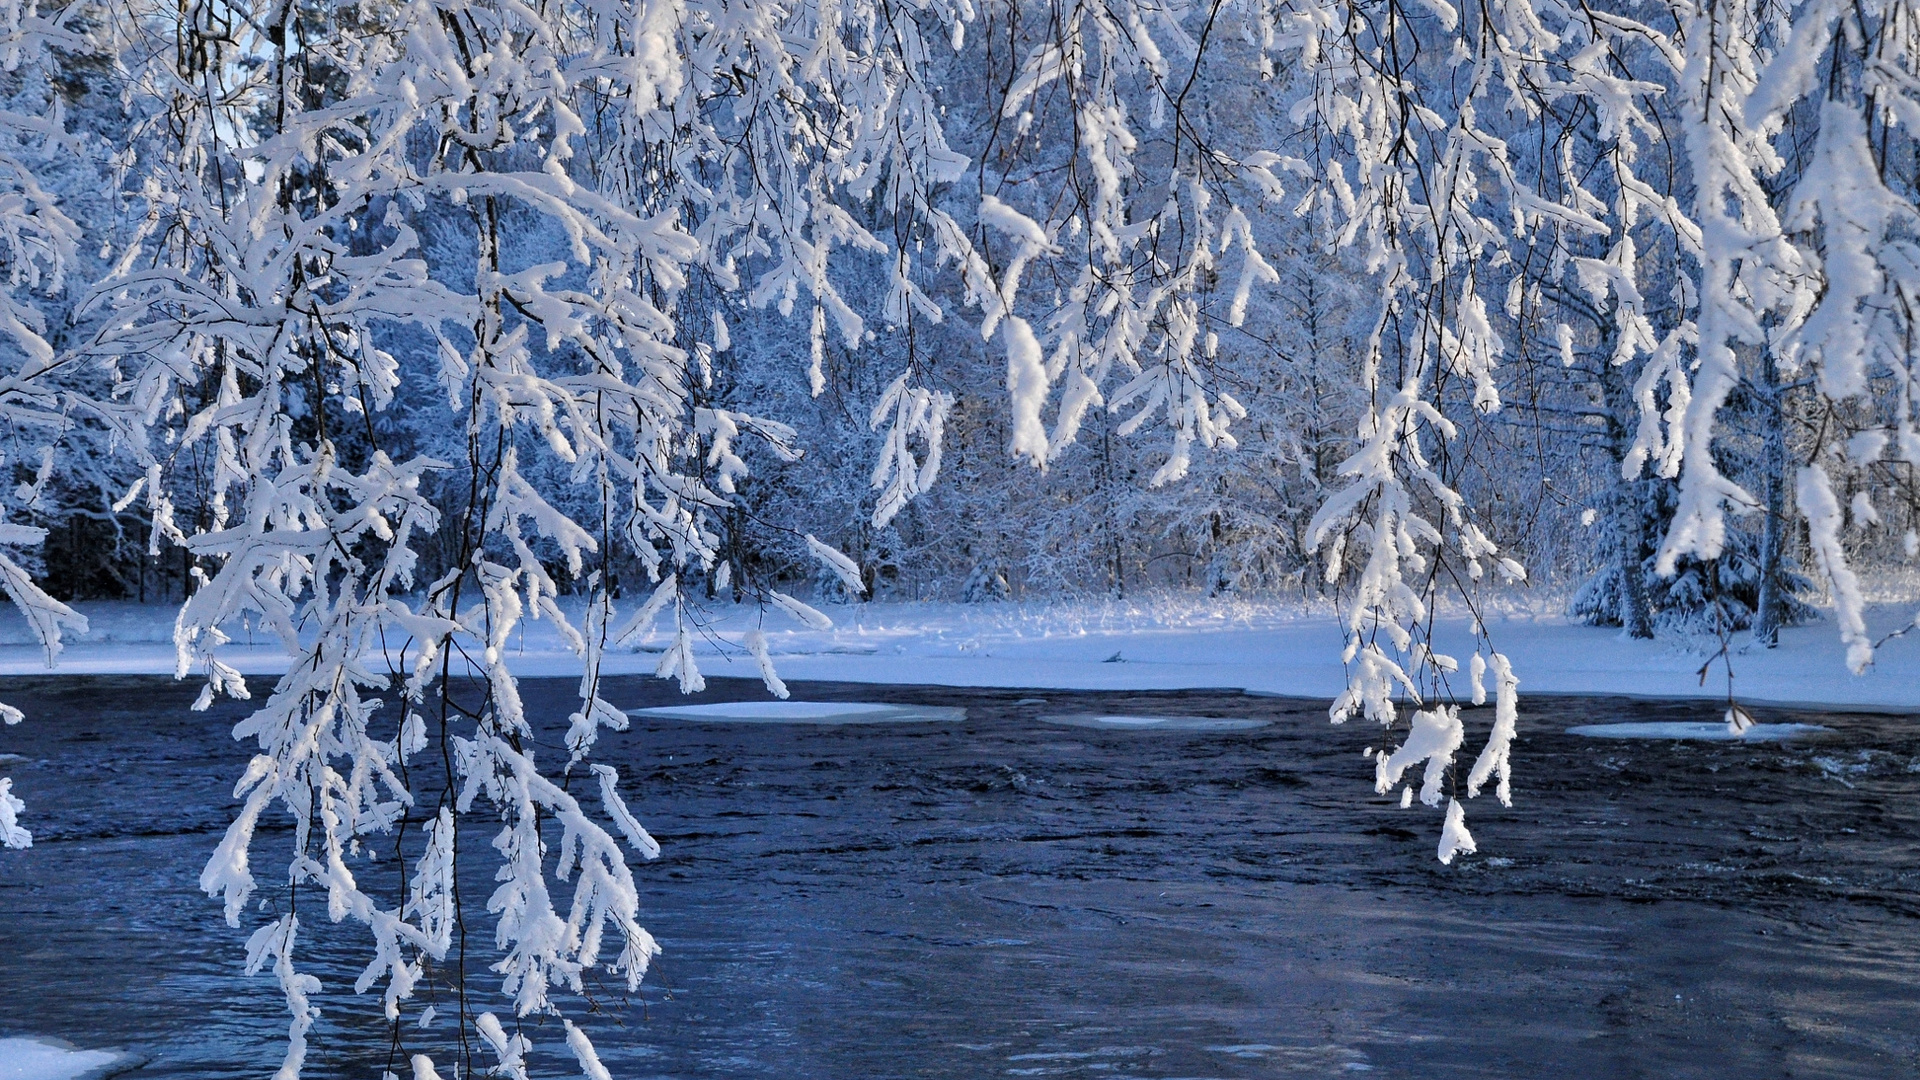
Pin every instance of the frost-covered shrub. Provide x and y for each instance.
(985, 584)
(1701, 596)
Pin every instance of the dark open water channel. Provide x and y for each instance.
(1004, 897)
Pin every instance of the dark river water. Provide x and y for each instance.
(1005, 897)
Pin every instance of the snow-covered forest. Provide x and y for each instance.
(383, 327)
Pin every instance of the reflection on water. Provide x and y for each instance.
(1009, 897)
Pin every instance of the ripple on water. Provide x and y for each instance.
(937, 899)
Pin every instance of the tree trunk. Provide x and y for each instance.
(1629, 546)
(1772, 606)
(1626, 507)
(1110, 510)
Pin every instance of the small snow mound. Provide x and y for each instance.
(1158, 723)
(38, 1059)
(1715, 731)
(804, 712)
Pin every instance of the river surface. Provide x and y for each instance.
(1009, 897)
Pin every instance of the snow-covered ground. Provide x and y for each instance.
(1168, 643)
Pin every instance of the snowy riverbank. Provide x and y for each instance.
(1170, 643)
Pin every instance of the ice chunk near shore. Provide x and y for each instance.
(804, 712)
(1159, 723)
(1710, 731)
(42, 1059)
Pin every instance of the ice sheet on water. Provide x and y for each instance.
(37, 1059)
(1714, 731)
(1158, 723)
(805, 712)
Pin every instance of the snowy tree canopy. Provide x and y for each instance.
(398, 320)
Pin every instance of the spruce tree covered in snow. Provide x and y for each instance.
(410, 317)
(1707, 597)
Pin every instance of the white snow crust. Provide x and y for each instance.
(35, 1059)
(1159, 723)
(1711, 732)
(805, 712)
(1161, 644)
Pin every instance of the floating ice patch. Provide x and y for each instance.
(1711, 732)
(1158, 723)
(805, 712)
(35, 1059)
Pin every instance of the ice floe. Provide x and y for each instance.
(40, 1059)
(1158, 723)
(805, 712)
(1711, 731)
